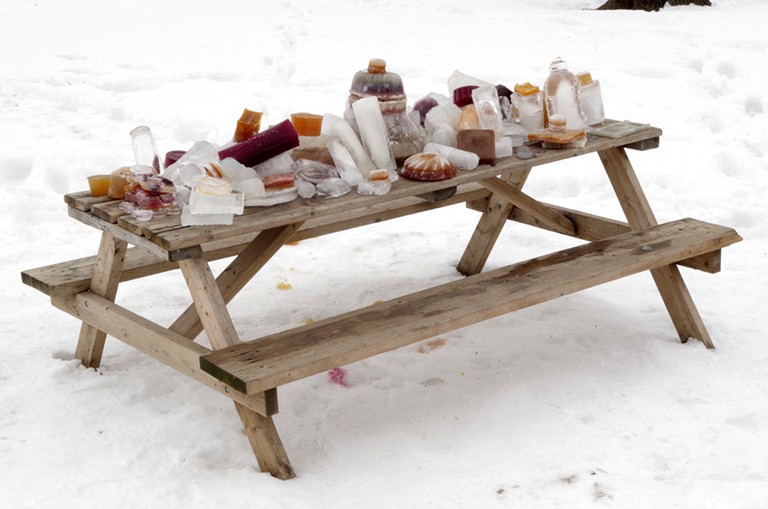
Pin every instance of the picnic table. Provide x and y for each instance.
(249, 372)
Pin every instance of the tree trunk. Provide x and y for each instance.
(647, 5)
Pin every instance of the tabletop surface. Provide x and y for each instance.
(168, 234)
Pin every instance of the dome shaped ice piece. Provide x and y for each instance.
(376, 81)
(428, 166)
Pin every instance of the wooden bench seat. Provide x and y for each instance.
(271, 361)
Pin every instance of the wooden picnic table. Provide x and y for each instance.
(249, 372)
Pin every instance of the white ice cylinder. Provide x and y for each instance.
(373, 131)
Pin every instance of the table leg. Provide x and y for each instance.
(216, 321)
(669, 281)
(489, 227)
(238, 273)
(104, 282)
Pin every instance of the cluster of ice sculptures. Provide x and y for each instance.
(325, 156)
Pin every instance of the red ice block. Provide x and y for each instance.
(264, 145)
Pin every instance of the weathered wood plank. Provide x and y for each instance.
(212, 310)
(290, 355)
(74, 276)
(109, 211)
(104, 282)
(669, 282)
(489, 227)
(591, 227)
(158, 342)
(82, 200)
(237, 274)
(545, 215)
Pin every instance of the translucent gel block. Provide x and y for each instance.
(232, 203)
(190, 219)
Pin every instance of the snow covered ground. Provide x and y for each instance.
(586, 401)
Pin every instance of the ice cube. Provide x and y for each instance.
(333, 187)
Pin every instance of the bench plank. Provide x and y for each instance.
(274, 360)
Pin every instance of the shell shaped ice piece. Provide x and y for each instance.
(428, 166)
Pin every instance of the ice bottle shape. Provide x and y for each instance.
(561, 93)
(145, 150)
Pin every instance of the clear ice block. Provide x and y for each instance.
(200, 203)
(486, 101)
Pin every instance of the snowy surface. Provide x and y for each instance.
(586, 401)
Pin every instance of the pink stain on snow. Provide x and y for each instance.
(338, 376)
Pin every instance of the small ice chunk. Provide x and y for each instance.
(281, 163)
(374, 187)
(443, 136)
(251, 188)
(333, 187)
(344, 163)
(236, 171)
(524, 152)
(201, 153)
(313, 171)
(461, 159)
(437, 118)
(306, 189)
(504, 147)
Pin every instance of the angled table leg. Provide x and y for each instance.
(104, 281)
(238, 273)
(489, 227)
(669, 281)
(213, 313)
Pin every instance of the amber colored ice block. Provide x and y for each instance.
(99, 185)
(307, 124)
(248, 125)
(479, 141)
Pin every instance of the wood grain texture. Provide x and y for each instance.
(673, 290)
(104, 282)
(158, 342)
(592, 227)
(212, 310)
(237, 274)
(495, 215)
(287, 356)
